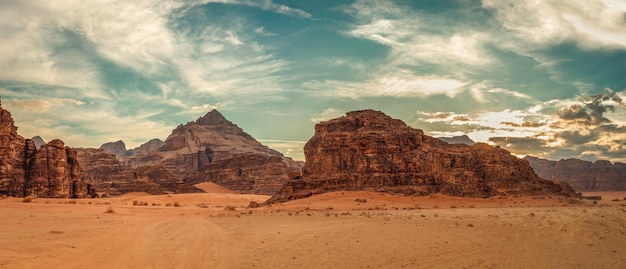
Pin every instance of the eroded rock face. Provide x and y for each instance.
(250, 173)
(116, 148)
(370, 150)
(208, 149)
(13, 156)
(145, 148)
(54, 171)
(50, 171)
(582, 175)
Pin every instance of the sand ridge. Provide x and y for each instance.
(332, 230)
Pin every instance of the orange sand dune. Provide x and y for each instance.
(216, 230)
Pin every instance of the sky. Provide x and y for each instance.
(541, 78)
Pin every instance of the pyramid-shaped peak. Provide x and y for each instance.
(213, 117)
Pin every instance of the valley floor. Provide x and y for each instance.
(332, 230)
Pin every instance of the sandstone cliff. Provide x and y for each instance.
(463, 139)
(50, 171)
(116, 148)
(582, 175)
(145, 148)
(370, 150)
(208, 149)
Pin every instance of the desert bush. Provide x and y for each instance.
(110, 210)
(176, 204)
(361, 200)
(229, 208)
(28, 199)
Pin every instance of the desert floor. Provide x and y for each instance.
(217, 230)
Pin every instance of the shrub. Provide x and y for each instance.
(229, 208)
(176, 204)
(110, 210)
(361, 200)
(28, 199)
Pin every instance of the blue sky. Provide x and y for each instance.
(541, 78)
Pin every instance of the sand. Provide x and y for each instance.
(216, 230)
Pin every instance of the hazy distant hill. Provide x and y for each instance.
(600, 175)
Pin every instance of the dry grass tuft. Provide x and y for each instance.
(110, 210)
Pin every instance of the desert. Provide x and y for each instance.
(349, 229)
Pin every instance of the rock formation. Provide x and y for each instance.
(54, 171)
(119, 148)
(463, 139)
(367, 150)
(38, 141)
(50, 171)
(145, 148)
(116, 148)
(208, 149)
(582, 175)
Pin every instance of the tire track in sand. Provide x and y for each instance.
(182, 242)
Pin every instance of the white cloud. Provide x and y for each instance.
(327, 114)
(207, 107)
(591, 24)
(411, 36)
(395, 85)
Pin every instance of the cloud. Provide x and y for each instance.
(395, 85)
(592, 108)
(591, 24)
(418, 37)
(588, 126)
(327, 114)
(208, 107)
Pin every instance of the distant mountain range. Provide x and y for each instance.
(582, 175)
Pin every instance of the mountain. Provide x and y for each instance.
(368, 150)
(145, 148)
(463, 139)
(119, 148)
(49, 171)
(208, 149)
(116, 148)
(600, 175)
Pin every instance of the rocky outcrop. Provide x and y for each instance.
(119, 148)
(367, 150)
(145, 148)
(54, 171)
(38, 141)
(15, 153)
(463, 139)
(108, 176)
(249, 173)
(116, 148)
(208, 149)
(600, 175)
(50, 171)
